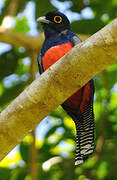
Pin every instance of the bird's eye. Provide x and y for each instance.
(57, 19)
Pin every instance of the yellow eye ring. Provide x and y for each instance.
(57, 19)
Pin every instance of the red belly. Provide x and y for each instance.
(54, 54)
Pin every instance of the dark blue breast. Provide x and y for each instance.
(55, 40)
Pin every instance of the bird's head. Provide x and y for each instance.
(54, 22)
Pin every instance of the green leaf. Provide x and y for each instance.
(24, 151)
(12, 92)
(5, 173)
(22, 25)
(87, 26)
(102, 170)
(8, 63)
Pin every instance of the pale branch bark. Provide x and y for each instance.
(20, 39)
(33, 68)
(27, 41)
(12, 8)
(54, 86)
(33, 163)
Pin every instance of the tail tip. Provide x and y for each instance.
(78, 162)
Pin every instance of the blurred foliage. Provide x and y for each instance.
(21, 25)
(58, 129)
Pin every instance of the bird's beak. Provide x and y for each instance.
(43, 20)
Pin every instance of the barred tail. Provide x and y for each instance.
(84, 135)
(82, 115)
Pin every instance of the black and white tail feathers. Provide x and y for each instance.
(84, 134)
(85, 127)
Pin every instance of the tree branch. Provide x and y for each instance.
(55, 85)
(33, 164)
(12, 8)
(20, 39)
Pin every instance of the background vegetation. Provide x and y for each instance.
(48, 152)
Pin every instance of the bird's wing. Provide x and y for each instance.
(40, 65)
(75, 40)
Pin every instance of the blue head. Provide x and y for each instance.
(54, 22)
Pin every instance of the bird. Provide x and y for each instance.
(59, 39)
